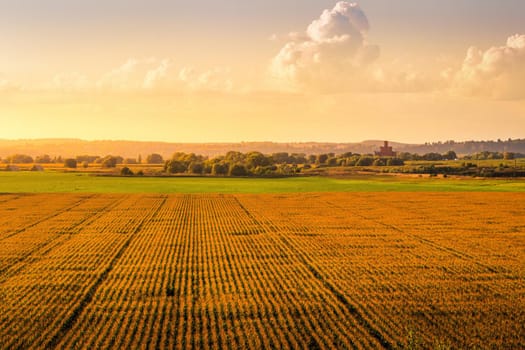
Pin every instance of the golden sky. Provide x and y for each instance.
(233, 70)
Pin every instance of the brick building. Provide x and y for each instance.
(386, 151)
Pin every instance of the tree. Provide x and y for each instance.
(175, 167)
(432, 156)
(109, 162)
(20, 159)
(207, 167)
(238, 170)
(196, 168)
(234, 156)
(220, 169)
(352, 161)
(404, 156)
(394, 161)
(70, 163)
(255, 159)
(130, 161)
(378, 162)
(43, 159)
(364, 161)
(322, 158)
(154, 158)
(281, 158)
(297, 158)
(332, 161)
(86, 158)
(450, 155)
(125, 171)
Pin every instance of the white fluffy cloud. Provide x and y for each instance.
(154, 74)
(331, 53)
(498, 72)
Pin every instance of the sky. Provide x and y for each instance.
(285, 71)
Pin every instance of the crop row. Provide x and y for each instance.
(411, 268)
(336, 270)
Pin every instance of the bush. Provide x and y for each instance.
(70, 163)
(125, 171)
(395, 161)
(37, 167)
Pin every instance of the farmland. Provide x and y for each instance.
(74, 182)
(318, 270)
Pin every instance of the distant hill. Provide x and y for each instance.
(131, 149)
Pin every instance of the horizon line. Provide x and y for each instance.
(256, 141)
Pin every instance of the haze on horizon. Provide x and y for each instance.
(230, 71)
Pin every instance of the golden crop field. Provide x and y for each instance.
(326, 270)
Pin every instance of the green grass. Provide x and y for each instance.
(47, 182)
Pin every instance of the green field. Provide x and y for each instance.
(58, 182)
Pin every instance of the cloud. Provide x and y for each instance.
(498, 72)
(70, 82)
(158, 75)
(331, 53)
(397, 77)
(123, 77)
(4, 84)
(162, 75)
(7, 85)
(214, 80)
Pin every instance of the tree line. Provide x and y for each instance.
(254, 163)
(108, 161)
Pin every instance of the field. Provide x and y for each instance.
(61, 182)
(305, 270)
